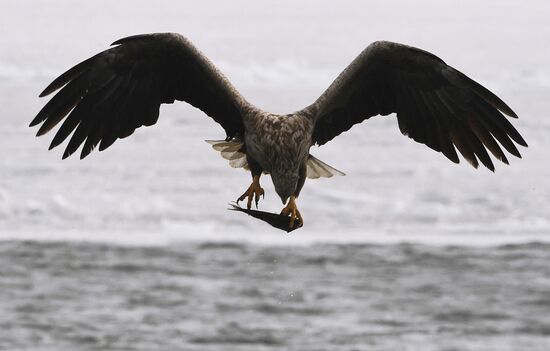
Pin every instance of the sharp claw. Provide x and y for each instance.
(292, 218)
(300, 220)
(291, 210)
(241, 198)
(253, 192)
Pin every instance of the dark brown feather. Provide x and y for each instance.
(461, 144)
(487, 139)
(71, 74)
(435, 104)
(477, 147)
(464, 81)
(58, 107)
(121, 89)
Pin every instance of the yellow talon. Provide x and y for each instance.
(292, 210)
(254, 192)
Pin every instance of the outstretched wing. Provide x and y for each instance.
(435, 104)
(120, 89)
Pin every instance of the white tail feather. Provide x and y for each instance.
(318, 169)
(231, 150)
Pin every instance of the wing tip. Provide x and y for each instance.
(130, 38)
(504, 160)
(521, 142)
(48, 90)
(500, 105)
(41, 132)
(34, 122)
(473, 162)
(511, 113)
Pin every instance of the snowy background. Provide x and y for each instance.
(165, 185)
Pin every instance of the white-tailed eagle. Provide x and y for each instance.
(109, 95)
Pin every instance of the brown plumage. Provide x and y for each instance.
(109, 95)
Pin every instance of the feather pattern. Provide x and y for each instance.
(109, 95)
(435, 104)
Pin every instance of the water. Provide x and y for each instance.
(233, 296)
(133, 248)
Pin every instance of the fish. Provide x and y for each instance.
(278, 221)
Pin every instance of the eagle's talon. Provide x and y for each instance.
(253, 192)
(292, 210)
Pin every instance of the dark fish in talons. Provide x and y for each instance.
(275, 220)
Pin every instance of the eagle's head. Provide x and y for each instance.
(285, 184)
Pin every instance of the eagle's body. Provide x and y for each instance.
(279, 144)
(109, 95)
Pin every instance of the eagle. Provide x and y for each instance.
(109, 95)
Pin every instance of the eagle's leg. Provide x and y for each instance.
(291, 209)
(254, 191)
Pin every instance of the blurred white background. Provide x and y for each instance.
(164, 183)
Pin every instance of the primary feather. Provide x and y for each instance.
(109, 95)
(120, 89)
(435, 104)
